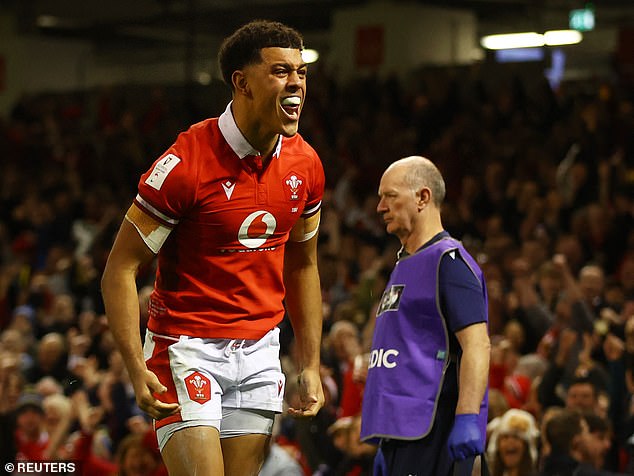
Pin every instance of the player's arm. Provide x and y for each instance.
(131, 249)
(303, 302)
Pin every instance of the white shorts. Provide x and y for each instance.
(207, 377)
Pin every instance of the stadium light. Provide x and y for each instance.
(309, 55)
(47, 21)
(531, 39)
(562, 37)
(204, 78)
(512, 40)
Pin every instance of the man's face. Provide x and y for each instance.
(591, 282)
(138, 461)
(581, 397)
(29, 421)
(397, 202)
(277, 86)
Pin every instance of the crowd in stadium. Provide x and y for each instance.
(540, 189)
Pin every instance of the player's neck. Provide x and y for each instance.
(256, 133)
(262, 141)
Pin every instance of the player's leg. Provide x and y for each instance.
(194, 451)
(189, 440)
(245, 436)
(244, 455)
(249, 407)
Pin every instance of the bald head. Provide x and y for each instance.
(50, 349)
(410, 194)
(419, 172)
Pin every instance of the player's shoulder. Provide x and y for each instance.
(204, 130)
(200, 140)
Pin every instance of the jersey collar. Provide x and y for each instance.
(238, 143)
(402, 253)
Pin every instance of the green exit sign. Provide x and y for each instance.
(582, 19)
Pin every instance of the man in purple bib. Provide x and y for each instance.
(425, 399)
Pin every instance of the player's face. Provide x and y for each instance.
(397, 203)
(278, 89)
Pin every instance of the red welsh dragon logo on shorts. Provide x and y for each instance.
(198, 387)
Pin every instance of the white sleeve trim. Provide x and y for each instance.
(155, 212)
(312, 210)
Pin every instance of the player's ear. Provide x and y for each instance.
(240, 83)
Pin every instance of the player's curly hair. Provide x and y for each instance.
(244, 45)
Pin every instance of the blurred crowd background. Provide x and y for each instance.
(540, 188)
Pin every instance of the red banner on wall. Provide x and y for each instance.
(369, 48)
(625, 55)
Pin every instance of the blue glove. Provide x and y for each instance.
(379, 468)
(465, 439)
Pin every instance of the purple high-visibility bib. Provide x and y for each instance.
(410, 348)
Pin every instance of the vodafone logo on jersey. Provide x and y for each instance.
(256, 229)
(198, 387)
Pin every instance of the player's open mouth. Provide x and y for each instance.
(291, 106)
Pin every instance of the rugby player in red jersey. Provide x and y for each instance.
(232, 210)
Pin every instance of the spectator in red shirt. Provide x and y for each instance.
(30, 435)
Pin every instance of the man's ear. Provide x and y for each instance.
(240, 83)
(424, 197)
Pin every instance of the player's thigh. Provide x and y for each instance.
(194, 451)
(244, 455)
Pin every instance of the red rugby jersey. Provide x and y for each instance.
(220, 270)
